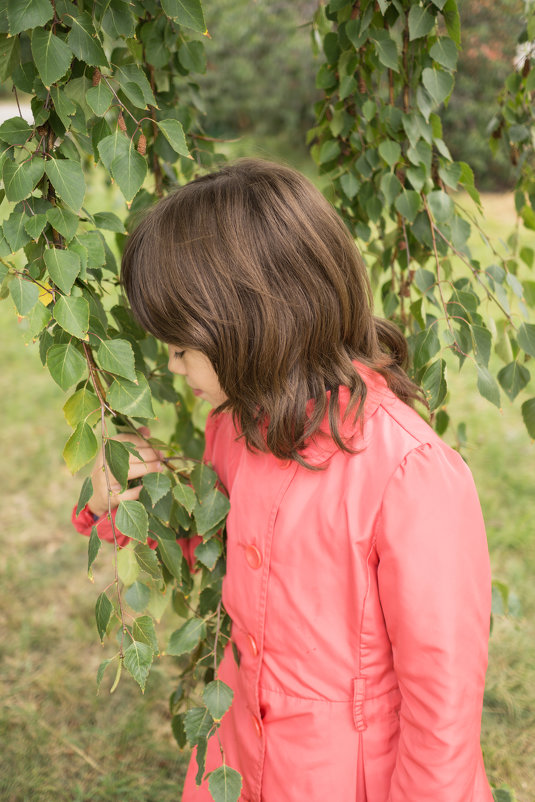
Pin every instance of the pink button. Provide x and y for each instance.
(252, 645)
(253, 556)
(257, 726)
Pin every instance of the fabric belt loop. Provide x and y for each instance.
(359, 692)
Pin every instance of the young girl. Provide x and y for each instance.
(357, 566)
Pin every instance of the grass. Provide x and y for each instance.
(63, 742)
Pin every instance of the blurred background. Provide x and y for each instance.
(60, 741)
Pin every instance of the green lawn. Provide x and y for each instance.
(62, 742)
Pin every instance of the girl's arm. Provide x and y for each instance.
(434, 584)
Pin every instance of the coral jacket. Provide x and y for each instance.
(360, 601)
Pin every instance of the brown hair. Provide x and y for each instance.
(253, 267)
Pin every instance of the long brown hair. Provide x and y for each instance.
(254, 268)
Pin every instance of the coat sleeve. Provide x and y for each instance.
(434, 585)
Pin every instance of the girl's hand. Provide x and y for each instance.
(150, 462)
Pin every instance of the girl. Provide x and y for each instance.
(357, 566)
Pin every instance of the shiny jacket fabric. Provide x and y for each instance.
(360, 601)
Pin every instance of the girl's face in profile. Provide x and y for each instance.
(198, 372)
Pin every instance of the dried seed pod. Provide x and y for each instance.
(142, 144)
(120, 122)
(97, 76)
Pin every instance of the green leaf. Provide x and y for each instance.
(157, 486)
(103, 611)
(20, 179)
(450, 174)
(15, 131)
(64, 106)
(421, 22)
(93, 548)
(434, 384)
(83, 41)
(386, 50)
(451, 18)
(109, 221)
(390, 151)
(129, 170)
(66, 364)
(143, 629)
(80, 448)
(80, 405)
(118, 459)
(63, 220)
(210, 510)
(137, 661)
(350, 184)
(72, 314)
(526, 338)
(197, 722)
(225, 784)
(14, 230)
(85, 494)
(445, 53)
(127, 566)
(513, 378)
(137, 596)
(132, 520)
(186, 12)
(185, 496)
(528, 415)
(329, 150)
(209, 552)
(63, 267)
(67, 178)
(135, 85)
(101, 669)
(171, 555)
(200, 757)
(186, 638)
(482, 344)
(438, 83)
(192, 56)
(131, 399)
(99, 98)
(441, 205)
(148, 561)
(112, 146)
(218, 698)
(408, 204)
(118, 20)
(424, 346)
(35, 225)
(203, 479)
(488, 386)
(51, 55)
(25, 294)
(26, 14)
(117, 356)
(174, 133)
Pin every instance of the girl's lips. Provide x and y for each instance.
(196, 392)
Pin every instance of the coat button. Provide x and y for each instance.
(253, 556)
(257, 726)
(252, 645)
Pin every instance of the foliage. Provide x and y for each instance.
(260, 73)
(112, 83)
(489, 32)
(388, 69)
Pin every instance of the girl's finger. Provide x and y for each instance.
(138, 469)
(132, 494)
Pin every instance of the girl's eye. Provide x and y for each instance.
(179, 354)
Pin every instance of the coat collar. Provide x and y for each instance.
(321, 447)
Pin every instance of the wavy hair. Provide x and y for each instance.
(254, 268)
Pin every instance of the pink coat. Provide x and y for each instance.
(360, 600)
